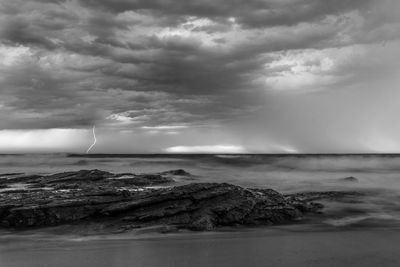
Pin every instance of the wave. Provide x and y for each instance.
(363, 220)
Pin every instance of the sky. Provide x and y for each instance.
(200, 76)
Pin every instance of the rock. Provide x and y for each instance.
(150, 179)
(51, 214)
(89, 179)
(164, 229)
(140, 179)
(203, 223)
(82, 175)
(350, 179)
(178, 172)
(198, 206)
(21, 179)
(307, 197)
(116, 200)
(205, 206)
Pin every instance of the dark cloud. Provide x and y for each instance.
(16, 31)
(254, 13)
(129, 64)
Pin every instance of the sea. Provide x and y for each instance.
(349, 236)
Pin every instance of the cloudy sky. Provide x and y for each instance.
(270, 76)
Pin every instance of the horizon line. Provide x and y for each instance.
(213, 153)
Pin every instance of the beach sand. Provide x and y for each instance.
(275, 246)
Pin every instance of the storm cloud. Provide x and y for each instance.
(260, 75)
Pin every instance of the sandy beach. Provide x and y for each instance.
(281, 246)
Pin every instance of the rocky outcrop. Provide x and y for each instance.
(17, 178)
(141, 179)
(205, 206)
(82, 175)
(65, 197)
(325, 195)
(88, 178)
(178, 172)
(119, 200)
(199, 206)
(349, 179)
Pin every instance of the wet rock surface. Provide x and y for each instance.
(178, 172)
(128, 201)
(325, 195)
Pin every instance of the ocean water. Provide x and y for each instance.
(282, 172)
(379, 175)
(339, 239)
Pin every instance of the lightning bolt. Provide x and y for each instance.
(94, 141)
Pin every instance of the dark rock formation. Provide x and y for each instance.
(142, 179)
(84, 178)
(349, 179)
(20, 179)
(178, 172)
(326, 195)
(205, 206)
(115, 200)
(65, 197)
(82, 175)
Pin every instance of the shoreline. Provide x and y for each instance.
(269, 246)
